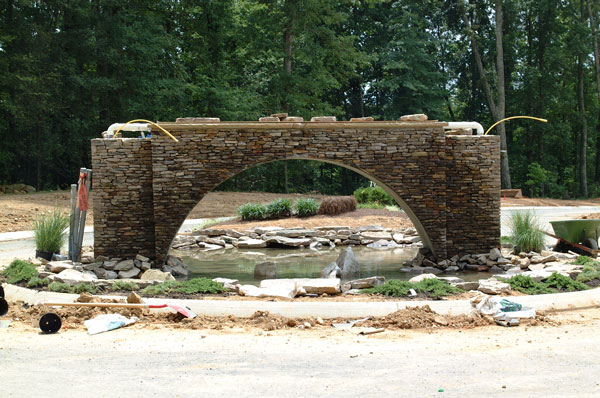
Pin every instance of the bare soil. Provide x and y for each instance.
(18, 211)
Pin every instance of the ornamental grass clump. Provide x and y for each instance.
(50, 231)
(278, 208)
(306, 207)
(526, 233)
(252, 211)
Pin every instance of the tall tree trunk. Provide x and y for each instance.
(583, 124)
(498, 111)
(288, 41)
(597, 66)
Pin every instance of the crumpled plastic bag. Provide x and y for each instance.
(504, 312)
(106, 322)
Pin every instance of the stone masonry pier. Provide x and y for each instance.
(449, 185)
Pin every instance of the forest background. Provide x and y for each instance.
(70, 68)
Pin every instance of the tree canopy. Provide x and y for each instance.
(70, 68)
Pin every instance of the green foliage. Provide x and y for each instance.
(278, 208)
(19, 271)
(38, 282)
(252, 211)
(556, 282)
(125, 286)
(525, 284)
(374, 195)
(562, 283)
(585, 260)
(591, 269)
(84, 288)
(537, 176)
(306, 207)
(434, 288)
(526, 233)
(60, 287)
(370, 206)
(191, 286)
(50, 231)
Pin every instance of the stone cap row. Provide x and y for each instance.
(284, 117)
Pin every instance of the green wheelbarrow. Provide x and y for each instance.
(579, 236)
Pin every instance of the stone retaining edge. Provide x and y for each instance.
(341, 309)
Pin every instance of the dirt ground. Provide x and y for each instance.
(18, 211)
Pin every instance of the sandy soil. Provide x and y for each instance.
(17, 211)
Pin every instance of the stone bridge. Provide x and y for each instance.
(449, 185)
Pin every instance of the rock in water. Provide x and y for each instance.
(331, 271)
(265, 270)
(176, 267)
(348, 263)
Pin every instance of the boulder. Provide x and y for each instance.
(265, 270)
(432, 270)
(493, 286)
(451, 279)
(370, 228)
(130, 273)
(110, 265)
(125, 265)
(228, 284)
(331, 271)
(156, 275)
(374, 235)
(472, 285)
(265, 230)
(111, 275)
(366, 283)
(536, 266)
(542, 260)
(348, 263)
(398, 237)
(308, 285)
(524, 262)
(422, 277)
(73, 277)
(251, 244)
(285, 241)
(495, 254)
(58, 266)
(176, 267)
(287, 291)
(134, 298)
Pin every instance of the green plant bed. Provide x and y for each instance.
(38, 282)
(554, 284)
(59, 287)
(434, 288)
(591, 271)
(252, 211)
(125, 286)
(278, 209)
(19, 271)
(191, 286)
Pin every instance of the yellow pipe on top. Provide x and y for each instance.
(515, 117)
(145, 121)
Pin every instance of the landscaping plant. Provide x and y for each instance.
(191, 286)
(252, 211)
(555, 283)
(125, 286)
(278, 208)
(306, 207)
(434, 288)
(50, 231)
(526, 233)
(19, 271)
(374, 195)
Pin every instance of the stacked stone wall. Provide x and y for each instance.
(472, 194)
(122, 198)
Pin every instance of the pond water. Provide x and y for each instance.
(300, 263)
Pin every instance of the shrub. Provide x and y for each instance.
(306, 207)
(84, 288)
(337, 205)
(434, 288)
(60, 287)
(252, 211)
(374, 195)
(126, 286)
(49, 231)
(561, 282)
(278, 208)
(38, 282)
(585, 260)
(525, 284)
(19, 270)
(191, 286)
(526, 233)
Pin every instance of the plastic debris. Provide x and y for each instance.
(349, 324)
(106, 322)
(4, 324)
(504, 312)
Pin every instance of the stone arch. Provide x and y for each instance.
(401, 203)
(145, 188)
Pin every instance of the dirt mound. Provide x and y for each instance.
(425, 318)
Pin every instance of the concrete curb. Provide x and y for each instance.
(340, 309)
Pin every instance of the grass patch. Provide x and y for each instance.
(38, 282)
(306, 207)
(50, 231)
(526, 233)
(591, 269)
(252, 211)
(191, 286)
(125, 286)
(434, 288)
(59, 287)
(19, 271)
(370, 206)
